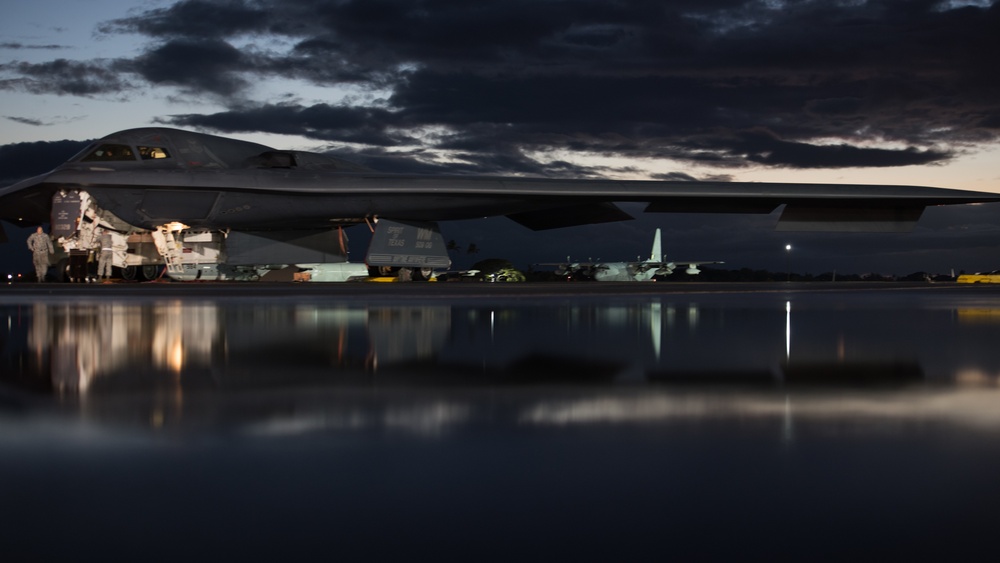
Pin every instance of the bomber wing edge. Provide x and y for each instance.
(179, 198)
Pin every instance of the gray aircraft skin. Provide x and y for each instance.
(151, 176)
(210, 181)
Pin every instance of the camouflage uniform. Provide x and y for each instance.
(105, 258)
(41, 246)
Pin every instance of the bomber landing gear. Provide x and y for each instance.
(148, 272)
(152, 272)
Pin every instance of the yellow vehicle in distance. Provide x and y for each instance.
(988, 277)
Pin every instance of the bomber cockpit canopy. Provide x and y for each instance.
(186, 149)
(114, 152)
(169, 147)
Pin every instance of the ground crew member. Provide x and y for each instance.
(104, 260)
(41, 246)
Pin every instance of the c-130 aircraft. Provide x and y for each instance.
(638, 271)
(210, 207)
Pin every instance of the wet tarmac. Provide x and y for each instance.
(499, 421)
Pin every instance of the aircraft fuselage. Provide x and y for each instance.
(155, 180)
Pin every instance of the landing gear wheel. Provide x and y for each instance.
(151, 272)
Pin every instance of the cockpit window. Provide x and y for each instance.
(108, 153)
(153, 153)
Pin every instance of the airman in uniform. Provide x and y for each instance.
(41, 246)
(105, 258)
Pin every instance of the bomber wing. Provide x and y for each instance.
(214, 182)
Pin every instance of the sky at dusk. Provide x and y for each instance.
(881, 91)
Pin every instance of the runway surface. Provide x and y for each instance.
(456, 290)
(498, 421)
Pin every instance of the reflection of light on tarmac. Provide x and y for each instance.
(83, 342)
(615, 316)
(975, 407)
(183, 333)
(401, 334)
(788, 426)
(313, 422)
(976, 378)
(313, 316)
(979, 315)
(158, 345)
(428, 420)
(175, 357)
(655, 327)
(671, 316)
(613, 410)
(788, 330)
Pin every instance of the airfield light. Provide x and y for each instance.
(788, 260)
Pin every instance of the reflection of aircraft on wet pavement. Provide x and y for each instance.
(172, 351)
(211, 207)
(94, 347)
(644, 270)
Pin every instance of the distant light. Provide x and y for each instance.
(788, 247)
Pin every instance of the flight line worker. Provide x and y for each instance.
(104, 260)
(41, 246)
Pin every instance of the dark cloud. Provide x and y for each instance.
(23, 160)
(25, 121)
(833, 84)
(203, 65)
(20, 46)
(197, 19)
(362, 125)
(57, 120)
(66, 77)
(766, 148)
